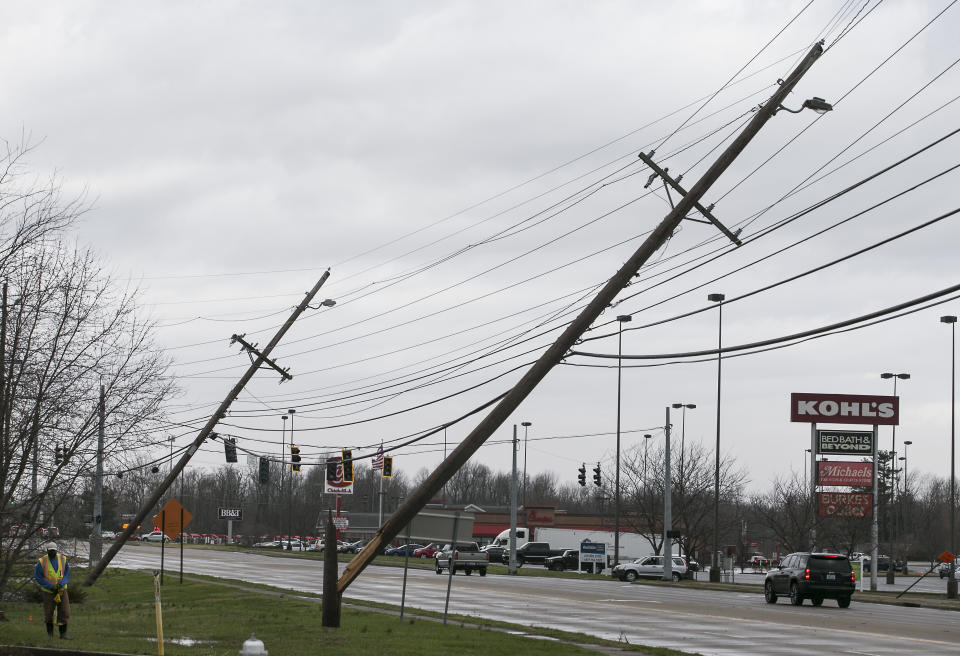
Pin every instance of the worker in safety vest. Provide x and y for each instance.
(52, 574)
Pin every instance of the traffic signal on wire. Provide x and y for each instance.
(347, 456)
(387, 467)
(582, 478)
(264, 471)
(230, 449)
(332, 469)
(294, 458)
(596, 476)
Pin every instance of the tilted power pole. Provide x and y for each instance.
(257, 359)
(555, 353)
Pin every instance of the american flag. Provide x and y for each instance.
(378, 460)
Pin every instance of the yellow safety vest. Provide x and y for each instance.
(51, 574)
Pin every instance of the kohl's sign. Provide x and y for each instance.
(844, 409)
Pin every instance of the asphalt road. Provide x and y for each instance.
(704, 621)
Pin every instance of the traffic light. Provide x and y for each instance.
(294, 458)
(582, 477)
(230, 448)
(347, 465)
(57, 456)
(331, 469)
(387, 467)
(596, 476)
(264, 471)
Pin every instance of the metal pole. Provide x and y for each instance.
(283, 467)
(667, 510)
(715, 558)
(526, 425)
(201, 437)
(512, 564)
(874, 525)
(96, 540)
(406, 566)
(510, 401)
(616, 480)
(813, 486)
(952, 579)
(291, 412)
(451, 558)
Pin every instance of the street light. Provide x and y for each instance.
(646, 443)
(714, 564)
(806, 485)
(683, 433)
(906, 489)
(526, 425)
(952, 320)
(290, 412)
(893, 455)
(819, 105)
(622, 319)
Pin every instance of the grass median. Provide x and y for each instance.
(214, 617)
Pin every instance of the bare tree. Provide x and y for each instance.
(66, 329)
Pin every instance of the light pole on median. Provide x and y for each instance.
(526, 426)
(622, 319)
(683, 433)
(893, 463)
(952, 577)
(714, 557)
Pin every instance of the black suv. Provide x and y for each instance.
(814, 576)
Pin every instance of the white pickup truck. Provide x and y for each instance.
(466, 557)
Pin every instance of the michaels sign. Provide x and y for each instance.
(844, 409)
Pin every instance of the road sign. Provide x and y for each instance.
(168, 519)
(593, 552)
(230, 513)
(341, 523)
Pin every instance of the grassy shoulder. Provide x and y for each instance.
(118, 615)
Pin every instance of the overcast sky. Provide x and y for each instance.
(468, 171)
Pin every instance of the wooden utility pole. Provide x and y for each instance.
(555, 353)
(257, 359)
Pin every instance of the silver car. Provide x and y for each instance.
(649, 567)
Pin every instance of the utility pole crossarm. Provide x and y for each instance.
(705, 211)
(574, 330)
(252, 350)
(219, 414)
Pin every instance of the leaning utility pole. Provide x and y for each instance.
(553, 355)
(221, 412)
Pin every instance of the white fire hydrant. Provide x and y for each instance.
(253, 647)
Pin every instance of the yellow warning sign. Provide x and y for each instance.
(172, 519)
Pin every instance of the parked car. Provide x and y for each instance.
(692, 565)
(465, 556)
(883, 564)
(429, 551)
(354, 547)
(154, 536)
(403, 550)
(758, 561)
(532, 553)
(813, 576)
(494, 552)
(49, 532)
(944, 570)
(108, 535)
(569, 559)
(649, 567)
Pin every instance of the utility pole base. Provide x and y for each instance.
(330, 607)
(890, 574)
(714, 574)
(952, 589)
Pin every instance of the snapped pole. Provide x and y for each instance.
(219, 414)
(574, 330)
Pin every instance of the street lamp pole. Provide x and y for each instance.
(952, 577)
(893, 464)
(806, 485)
(622, 319)
(683, 433)
(283, 466)
(291, 412)
(714, 558)
(526, 425)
